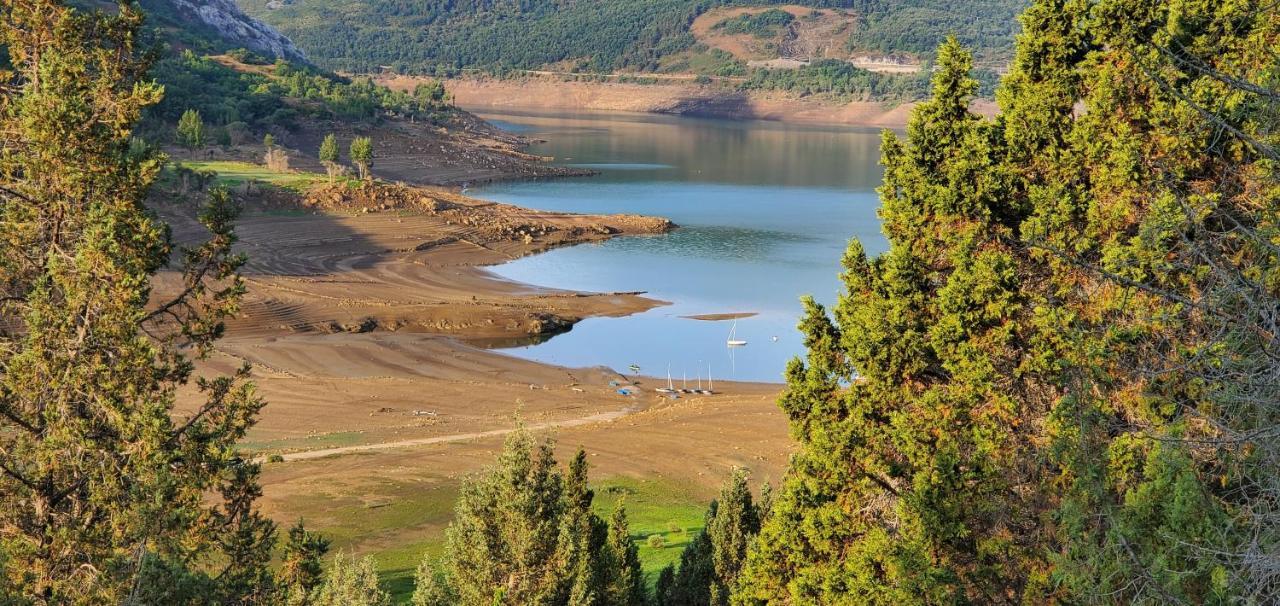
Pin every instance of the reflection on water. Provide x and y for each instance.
(766, 211)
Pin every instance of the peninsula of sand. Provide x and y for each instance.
(366, 323)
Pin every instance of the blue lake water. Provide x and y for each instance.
(765, 213)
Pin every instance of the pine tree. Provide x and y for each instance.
(301, 566)
(191, 129)
(329, 155)
(362, 155)
(351, 582)
(102, 488)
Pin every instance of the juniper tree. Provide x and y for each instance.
(351, 582)
(1058, 385)
(504, 545)
(710, 565)
(301, 567)
(908, 487)
(1155, 211)
(99, 479)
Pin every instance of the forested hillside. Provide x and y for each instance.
(594, 35)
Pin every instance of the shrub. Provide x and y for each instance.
(656, 541)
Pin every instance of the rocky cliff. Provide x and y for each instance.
(225, 18)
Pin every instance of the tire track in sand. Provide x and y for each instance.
(602, 417)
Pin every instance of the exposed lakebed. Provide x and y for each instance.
(766, 210)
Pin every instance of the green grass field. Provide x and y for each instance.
(232, 173)
(399, 524)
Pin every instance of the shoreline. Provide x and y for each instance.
(386, 291)
(357, 322)
(547, 93)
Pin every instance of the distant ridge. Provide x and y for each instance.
(230, 23)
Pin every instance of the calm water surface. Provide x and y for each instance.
(765, 210)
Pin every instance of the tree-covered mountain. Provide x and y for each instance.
(426, 36)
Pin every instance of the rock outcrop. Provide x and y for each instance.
(224, 17)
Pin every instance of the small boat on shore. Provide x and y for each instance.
(670, 388)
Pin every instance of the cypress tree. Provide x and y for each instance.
(101, 485)
(691, 585)
(623, 579)
(735, 522)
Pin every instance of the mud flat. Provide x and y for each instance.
(365, 306)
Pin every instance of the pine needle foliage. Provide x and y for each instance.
(105, 494)
(524, 534)
(1059, 384)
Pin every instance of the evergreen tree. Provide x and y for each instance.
(583, 536)
(1153, 211)
(329, 155)
(622, 579)
(351, 582)
(904, 491)
(664, 587)
(504, 544)
(691, 584)
(191, 129)
(301, 566)
(734, 524)
(102, 488)
(362, 155)
(432, 586)
(710, 565)
(1054, 385)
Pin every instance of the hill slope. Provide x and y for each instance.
(419, 36)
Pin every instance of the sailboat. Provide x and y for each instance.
(670, 388)
(734, 342)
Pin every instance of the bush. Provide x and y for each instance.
(275, 458)
(656, 541)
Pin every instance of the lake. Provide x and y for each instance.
(765, 212)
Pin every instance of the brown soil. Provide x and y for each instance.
(465, 151)
(722, 317)
(358, 308)
(552, 93)
(820, 37)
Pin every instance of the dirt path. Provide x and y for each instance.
(458, 437)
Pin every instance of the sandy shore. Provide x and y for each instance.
(362, 324)
(674, 97)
